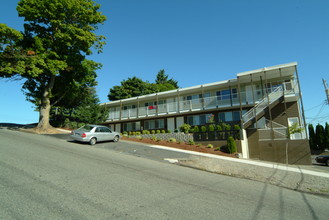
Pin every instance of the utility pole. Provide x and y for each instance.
(326, 90)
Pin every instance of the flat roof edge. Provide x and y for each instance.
(280, 66)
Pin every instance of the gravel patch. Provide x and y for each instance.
(300, 181)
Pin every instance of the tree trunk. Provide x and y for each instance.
(44, 110)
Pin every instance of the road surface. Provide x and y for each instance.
(43, 177)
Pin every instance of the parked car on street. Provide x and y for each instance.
(323, 159)
(94, 134)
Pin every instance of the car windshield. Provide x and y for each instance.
(86, 128)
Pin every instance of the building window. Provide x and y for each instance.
(154, 124)
(226, 94)
(199, 119)
(132, 126)
(229, 116)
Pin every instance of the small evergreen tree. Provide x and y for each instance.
(211, 128)
(185, 128)
(319, 137)
(326, 136)
(312, 137)
(196, 129)
(231, 145)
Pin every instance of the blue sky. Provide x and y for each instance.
(197, 42)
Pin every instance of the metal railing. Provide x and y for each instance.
(272, 97)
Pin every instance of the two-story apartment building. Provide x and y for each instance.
(264, 102)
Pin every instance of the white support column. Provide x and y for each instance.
(244, 145)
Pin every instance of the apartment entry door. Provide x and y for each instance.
(171, 124)
(249, 96)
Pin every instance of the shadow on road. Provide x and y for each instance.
(13, 126)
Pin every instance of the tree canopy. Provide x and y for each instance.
(51, 52)
(133, 87)
(319, 139)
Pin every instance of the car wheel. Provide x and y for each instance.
(93, 141)
(116, 138)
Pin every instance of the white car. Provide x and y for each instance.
(94, 134)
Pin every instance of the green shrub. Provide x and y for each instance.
(148, 132)
(134, 133)
(172, 140)
(231, 145)
(178, 142)
(210, 146)
(236, 127)
(158, 131)
(144, 131)
(237, 134)
(191, 142)
(176, 131)
(159, 139)
(138, 133)
(125, 133)
(139, 137)
(203, 129)
(217, 149)
(153, 132)
(199, 145)
(169, 131)
(219, 128)
(227, 127)
(163, 131)
(154, 138)
(130, 132)
(211, 128)
(185, 128)
(196, 129)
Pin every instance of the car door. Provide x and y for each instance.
(99, 134)
(107, 134)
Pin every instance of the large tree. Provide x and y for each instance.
(51, 52)
(135, 86)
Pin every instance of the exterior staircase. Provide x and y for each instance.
(274, 98)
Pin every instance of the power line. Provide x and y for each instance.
(314, 107)
(317, 115)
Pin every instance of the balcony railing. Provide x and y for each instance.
(213, 102)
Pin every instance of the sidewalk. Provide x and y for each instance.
(301, 178)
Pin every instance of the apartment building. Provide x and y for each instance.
(263, 102)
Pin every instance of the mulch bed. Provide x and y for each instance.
(183, 146)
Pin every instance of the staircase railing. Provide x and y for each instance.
(272, 97)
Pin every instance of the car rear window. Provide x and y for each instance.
(87, 128)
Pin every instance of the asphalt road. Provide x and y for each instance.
(44, 177)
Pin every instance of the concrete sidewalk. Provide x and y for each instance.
(297, 177)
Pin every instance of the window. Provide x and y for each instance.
(154, 124)
(234, 93)
(226, 94)
(131, 126)
(229, 116)
(199, 119)
(236, 116)
(126, 107)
